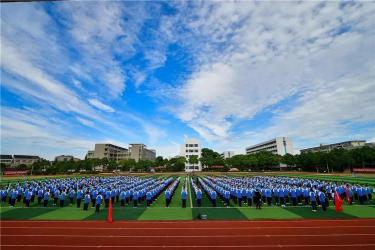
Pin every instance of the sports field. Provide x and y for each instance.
(158, 211)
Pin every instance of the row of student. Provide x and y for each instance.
(311, 194)
(96, 191)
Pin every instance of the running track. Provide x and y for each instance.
(306, 234)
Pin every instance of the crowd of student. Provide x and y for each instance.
(239, 190)
(170, 191)
(97, 190)
(281, 191)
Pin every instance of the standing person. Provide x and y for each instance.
(213, 198)
(322, 200)
(135, 198)
(258, 199)
(183, 197)
(40, 196)
(79, 197)
(4, 195)
(71, 196)
(28, 194)
(86, 201)
(227, 198)
(199, 197)
(98, 202)
(167, 195)
(107, 196)
(239, 196)
(93, 195)
(122, 198)
(293, 194)
(13, 197)
(56, 195)
(269, 196)
(62, 198)
(313, 200)
(45, 198)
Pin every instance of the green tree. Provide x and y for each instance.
(176, 164)
(193, 159)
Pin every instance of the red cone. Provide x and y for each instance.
(109, 217)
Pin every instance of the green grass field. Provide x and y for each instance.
(158, 211)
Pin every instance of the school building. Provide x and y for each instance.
(136, 151)
(278, 145)
(191, 147)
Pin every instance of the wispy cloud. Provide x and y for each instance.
(98, 104)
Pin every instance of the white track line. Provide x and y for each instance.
(183, 236)
(194, 246)
(191, 197)
(189, 228)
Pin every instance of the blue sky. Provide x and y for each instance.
(231, 74)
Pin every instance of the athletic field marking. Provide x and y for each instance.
(193, 246)
(191, 197)
(189, 228)
(183, 236)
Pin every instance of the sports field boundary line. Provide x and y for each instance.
(191, 197)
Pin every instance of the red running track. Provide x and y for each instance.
(306, 234)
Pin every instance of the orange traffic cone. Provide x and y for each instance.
(109, 217)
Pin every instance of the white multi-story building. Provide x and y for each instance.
(227, 154)
(279, 146)
(189, 148)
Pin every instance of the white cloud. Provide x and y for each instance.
(98, 104)
(254, 55)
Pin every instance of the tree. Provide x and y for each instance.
(211, 158)
(288, 159)
(176, 164)
(3, 167)
(193, 159)
(128, 164)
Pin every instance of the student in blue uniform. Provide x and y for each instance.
(98, 202)
(71, 196)
(313, 200)
(167, 195)
(40, 196)
(56, 194)
(122, 198)
(227, 198)
(199, 197)
(213, 198)
(293, 194)
(135, 198)
(79, 197)
(183, 197)
(322, 200)
(107, 196)
(269, 196)
(258, 199)
(4, 195)
(45, 198)
(28, 194)
(62, 198)
(86, 201)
